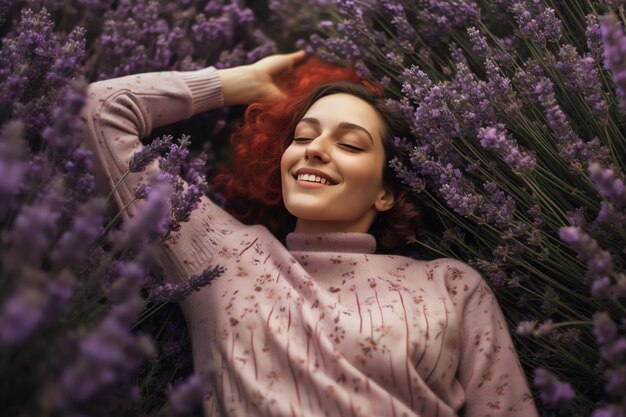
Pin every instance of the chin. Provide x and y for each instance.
(307, 212)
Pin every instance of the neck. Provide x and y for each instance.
(317, 226)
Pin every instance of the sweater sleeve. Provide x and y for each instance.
(490, 371)
(118, 113)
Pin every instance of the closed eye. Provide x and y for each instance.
(351, 148)
(301, 140)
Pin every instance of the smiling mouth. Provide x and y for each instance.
(313, 178)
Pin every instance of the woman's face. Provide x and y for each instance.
(332, 172)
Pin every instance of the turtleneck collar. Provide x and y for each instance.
(347, 242)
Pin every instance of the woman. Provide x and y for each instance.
(322, 326)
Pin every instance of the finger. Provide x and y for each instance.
(285, 61)
(298, 56)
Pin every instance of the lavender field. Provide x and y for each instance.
(517, 113)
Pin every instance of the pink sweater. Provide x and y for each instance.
(322, 327)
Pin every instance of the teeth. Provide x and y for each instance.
(312, 178)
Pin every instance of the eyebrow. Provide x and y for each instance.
(342, 125)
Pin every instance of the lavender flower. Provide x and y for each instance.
(128, 38)
(178, 292)
(436, 18)
(35, 229)
(571, 147)
(150, 220)
(34, 63)
(37, 300)
(416, 84)
(125, 279)
(612, 345)
(61, 136)
(575, 236)
(12, 169)
(616, 384)
(553, 392)
(533, 328)
(340, 51)
(610, 185)
(614, 42)
(599, 261)
(537, 22)
(594, 37)
(495, 138)
(69, 56)
(395, 13)
(74, 244)
(107, 358)
(479, 42)
(187, 395)
(184, 202)
(175, 156)
(526, 327)
(78, 178)
(581, 76)
(143, 157)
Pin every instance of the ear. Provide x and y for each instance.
(384, 200)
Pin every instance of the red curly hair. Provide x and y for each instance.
(252, 184)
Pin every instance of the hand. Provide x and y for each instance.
(257, 82)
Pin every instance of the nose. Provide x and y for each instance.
(317, 150)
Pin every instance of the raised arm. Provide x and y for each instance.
(119, 112)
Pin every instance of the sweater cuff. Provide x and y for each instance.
(206, 89)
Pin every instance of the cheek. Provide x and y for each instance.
(286, 160)
(368, 171)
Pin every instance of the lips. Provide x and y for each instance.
(314, 175)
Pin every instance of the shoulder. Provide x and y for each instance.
(459, 279)
(455, 270)
(448, 269)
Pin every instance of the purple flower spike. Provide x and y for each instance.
(12, 169)
(612, 345)
(607, 412)
(537, 22)
(32, 305)
(129, 278)
(602, 287)
(78, 177)
(594, 37)
(495, 138)
(553, 392)
(576, 152)
(479, 42)
(151, 219)
(107, 358)
(581, 77)
(416, 84)
(74, 245)
(185, 397)
(178, 292)
(62, 136)
(614, 42)
(35, 62)
(142, 158)
(35, 228)
(599, 261)
(175, 157)
(616, 384)
(609, 184)
(184, 202)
